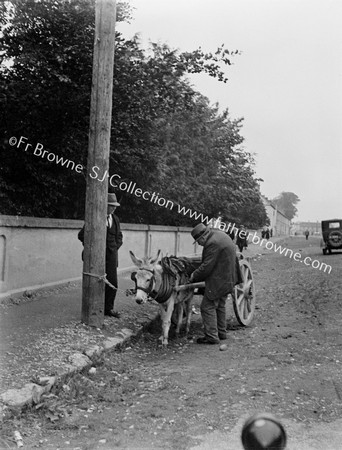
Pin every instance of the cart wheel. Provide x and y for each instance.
(244, 295)
(324, 251)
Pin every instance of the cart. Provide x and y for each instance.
(243, 296)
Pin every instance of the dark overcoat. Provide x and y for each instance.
(113, 241)
(219, 268)
(241, 239)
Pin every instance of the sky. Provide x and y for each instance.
(286, 84)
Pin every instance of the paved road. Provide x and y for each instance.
(25, 322)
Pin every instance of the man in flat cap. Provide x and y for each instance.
(113, 243)
(220, 273)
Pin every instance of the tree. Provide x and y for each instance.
(253, 214)
(286, 203)
(165, 135)
(47, 86)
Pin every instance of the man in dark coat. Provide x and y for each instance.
(267, 234)
(241, 240)
(113, 243)
(219, 269)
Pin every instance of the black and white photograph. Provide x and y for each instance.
(171, 224)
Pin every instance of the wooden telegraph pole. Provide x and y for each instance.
(93, 287)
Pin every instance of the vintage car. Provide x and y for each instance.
(331, 235)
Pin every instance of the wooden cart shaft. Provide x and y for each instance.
(183, 287)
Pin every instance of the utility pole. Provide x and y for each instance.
(94, 266)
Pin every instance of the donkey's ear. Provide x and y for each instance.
(154, 260)
(136, 261)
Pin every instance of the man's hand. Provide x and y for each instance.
(191, 279)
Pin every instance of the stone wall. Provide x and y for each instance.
(39, 252)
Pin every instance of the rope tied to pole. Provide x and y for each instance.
(101, 278)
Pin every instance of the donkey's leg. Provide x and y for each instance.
(162, 314)
(180, 309)
(188, 311)
(166, 318)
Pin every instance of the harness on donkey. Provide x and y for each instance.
(173, 267)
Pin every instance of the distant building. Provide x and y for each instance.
(279, 224)
(300, 227)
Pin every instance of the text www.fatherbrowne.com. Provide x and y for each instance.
(269, 245)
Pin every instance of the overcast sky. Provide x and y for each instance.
(287, 84)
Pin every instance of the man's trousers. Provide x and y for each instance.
(214, 317)
(112, 277)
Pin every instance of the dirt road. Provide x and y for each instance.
(194, 396)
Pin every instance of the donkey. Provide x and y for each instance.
(153, 282)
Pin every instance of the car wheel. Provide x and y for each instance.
(335, 239)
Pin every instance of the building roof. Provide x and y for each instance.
(268, 202)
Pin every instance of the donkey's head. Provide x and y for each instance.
(144, 277)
